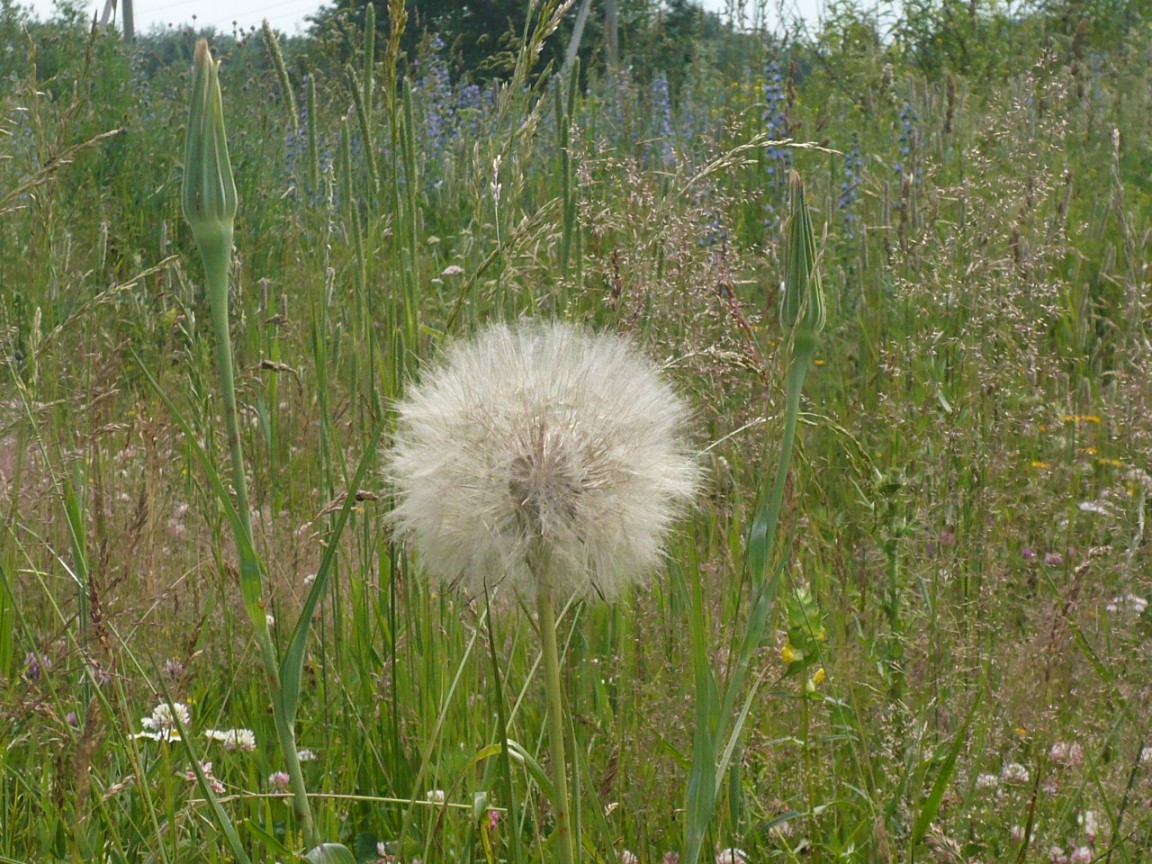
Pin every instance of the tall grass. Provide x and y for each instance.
(956, 662)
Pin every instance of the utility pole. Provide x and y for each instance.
(129, 22)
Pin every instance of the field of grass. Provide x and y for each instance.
(956, 663)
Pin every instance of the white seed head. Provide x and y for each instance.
(540, 440)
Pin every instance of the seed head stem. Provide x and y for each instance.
(546, 614)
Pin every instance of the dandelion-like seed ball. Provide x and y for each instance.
(540, 451)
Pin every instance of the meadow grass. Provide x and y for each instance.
(956, 666)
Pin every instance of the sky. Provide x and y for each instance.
(287, 16)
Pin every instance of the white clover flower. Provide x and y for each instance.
(233, 739)
(161, 726)
(1127, 603)
(1067, 755)
(540, 442)
(306, 755)
(732, 855)
(1014, 774)
(987, 781)
(279, 780)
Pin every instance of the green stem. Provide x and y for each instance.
(804, 346)
(809, 770)
(300, 806)
(546, 612)
(216, 250)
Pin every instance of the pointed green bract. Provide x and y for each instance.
(802, 308)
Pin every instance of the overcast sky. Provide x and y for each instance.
(288, 15)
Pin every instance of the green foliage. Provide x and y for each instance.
(965, 511)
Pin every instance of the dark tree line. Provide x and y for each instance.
(481, 36)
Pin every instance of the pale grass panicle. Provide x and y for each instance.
(540, 439)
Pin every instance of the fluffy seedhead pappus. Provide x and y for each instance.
(540, 440)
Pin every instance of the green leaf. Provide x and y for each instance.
(932, 802)
(222, 819)
(330, 853)
(292, 666)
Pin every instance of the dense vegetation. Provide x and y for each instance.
(958, 667)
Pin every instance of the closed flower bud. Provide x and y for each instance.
(802, 307)
(209, 193)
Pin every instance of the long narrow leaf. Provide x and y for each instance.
(292, 666)
(222, 818)
(932, 802)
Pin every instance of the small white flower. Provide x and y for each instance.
(233, 739)
(627, 857)
(987, 781)
(1080, 855)
(1136, 476)
(161, 726)
(1066, 754)
(306, 755)
(279, 780)
(1014, 774)
(1089, 825)
(731, 855)
(1129, 602)
(1097, 507)
(436, 796)
(1146, 756)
